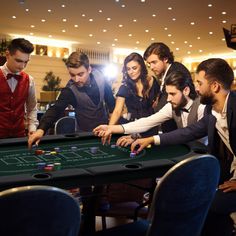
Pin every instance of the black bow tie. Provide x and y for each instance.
(184, 110)
(17, 77)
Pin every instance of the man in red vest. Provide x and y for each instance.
(17, 91)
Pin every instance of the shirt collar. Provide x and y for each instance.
(188, 105)
(6, 71)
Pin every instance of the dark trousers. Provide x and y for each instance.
(218, 221)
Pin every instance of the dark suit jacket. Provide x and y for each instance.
(206, 126)
(170, 124)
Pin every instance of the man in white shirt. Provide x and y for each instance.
(183, 106)
(18, 99)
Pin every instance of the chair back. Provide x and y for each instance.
(65, 125)
(183, 196)
(38, 211)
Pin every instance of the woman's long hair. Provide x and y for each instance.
(143, 75)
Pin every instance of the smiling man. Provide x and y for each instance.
(87, 91)
(17, 90)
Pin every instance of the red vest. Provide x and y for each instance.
(12, 107)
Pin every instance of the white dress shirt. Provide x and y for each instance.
(223, 131)
(31, 102)
(166, 113)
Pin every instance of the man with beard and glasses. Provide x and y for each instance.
(183, 106)
(214, 81)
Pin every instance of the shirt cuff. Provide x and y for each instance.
(157, 140)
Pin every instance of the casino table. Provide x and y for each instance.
(79, 166)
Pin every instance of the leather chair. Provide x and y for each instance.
(180, 202)
(38, 211)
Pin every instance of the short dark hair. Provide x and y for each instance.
(77, 59)
(20, 44)
(161, 50)
(181, 81)
(217, 69)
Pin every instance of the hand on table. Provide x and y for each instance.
(124, 141)
(35, 137)
(141, 143)
(228, 186)
(103, 131)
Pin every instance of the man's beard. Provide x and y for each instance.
(182, 103)
(207, 99)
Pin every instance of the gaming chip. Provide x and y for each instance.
(132, 154)
(57, 149)
(74, 148)
(113, 146)
(39, 152)
(94, 150)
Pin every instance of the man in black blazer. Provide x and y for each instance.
(161, 61)
(214, 80)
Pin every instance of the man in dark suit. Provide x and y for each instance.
(161, 61)
(214, 80)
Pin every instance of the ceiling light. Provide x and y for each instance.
(146, 30)
(153, 15)
(137, 42)
(169, 8)
(192, 23)
(185, 42)
(223, 13)
(113, 45)
(13, 17)
(32, 26)
(108, 18)
(130, 35)
(115, 39)
(166, 28)
(120, 26)
(224, 21)
(210, 33)
(27, 9)
(134, 20)
(31, 33)
(198, 37)
(189, 52)
(90, 35)
(169, 35)
(76, 26)
(90, 19)
(63, 5)
(142, 0)
(50, 36)
(49, 10)
(172, 42)
(83, 15)
(123, 5)
(177, 49)
(98, 42)
(64, 20)
(209, 5)
(43, 20)
(152, 39)
(190, 45)
(174, 19)
(63, 31)
(100, 11)
(104, 30)
(210, 17)
(200, 50)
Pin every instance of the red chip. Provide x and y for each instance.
(39, 152)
